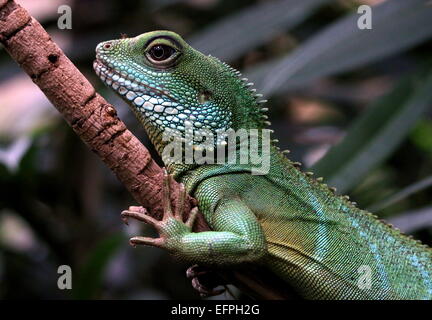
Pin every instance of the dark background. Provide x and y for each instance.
(367, 92)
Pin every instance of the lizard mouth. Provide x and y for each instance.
(127, 85)
(150, 104)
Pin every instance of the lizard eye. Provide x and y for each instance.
(160, 53)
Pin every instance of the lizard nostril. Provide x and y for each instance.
(107, 46)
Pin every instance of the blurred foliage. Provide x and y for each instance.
(326, 81)
(376, 133)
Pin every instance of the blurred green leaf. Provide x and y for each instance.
(402, 194)
(375, 134)
(89, 279)
(231, 37)
(397, 25)
(422, 135)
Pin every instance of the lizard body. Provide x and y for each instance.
(316, 241)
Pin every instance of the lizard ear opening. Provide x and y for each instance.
(204, 96)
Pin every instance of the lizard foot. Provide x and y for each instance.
(171, 227)
(205, 281)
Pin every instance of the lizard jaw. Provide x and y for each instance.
(153, 104)
(122, 83)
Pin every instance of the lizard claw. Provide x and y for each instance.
(138, 213)
(205, 281)
(170, 218)
(155, 242)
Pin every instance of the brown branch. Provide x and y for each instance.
(95, 121)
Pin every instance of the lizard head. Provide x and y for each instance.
(170, 85)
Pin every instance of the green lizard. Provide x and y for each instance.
(318, 242)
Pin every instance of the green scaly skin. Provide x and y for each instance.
(316, 241)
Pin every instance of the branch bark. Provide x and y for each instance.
(95, 121)
(92, 118)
